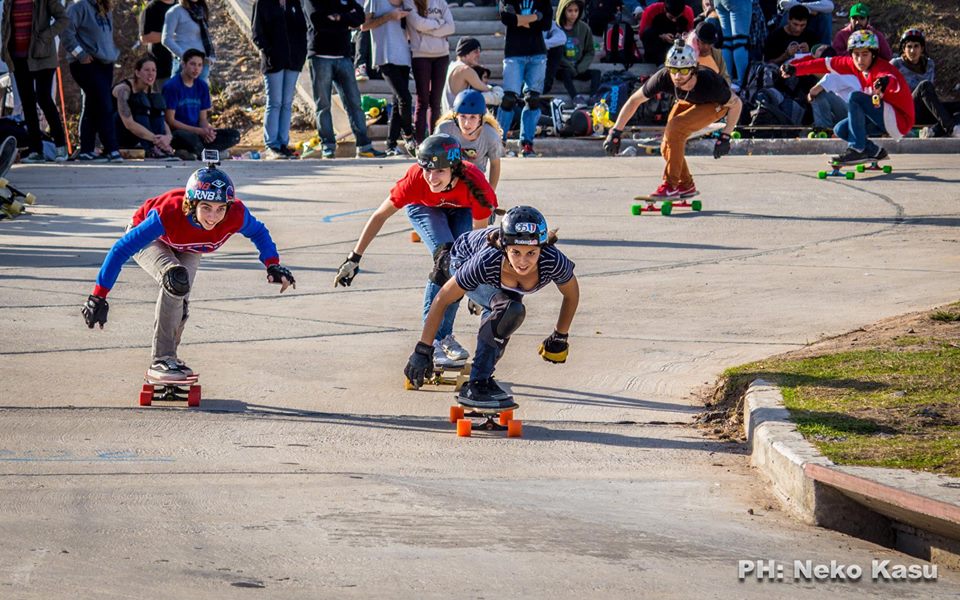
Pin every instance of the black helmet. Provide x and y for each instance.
(209, 184)
(523, 225)
(439, 151)
(913, 35)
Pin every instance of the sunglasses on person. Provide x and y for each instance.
(680, 70)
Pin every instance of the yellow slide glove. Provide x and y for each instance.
(554, 349)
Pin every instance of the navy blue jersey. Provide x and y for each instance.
(479, 263)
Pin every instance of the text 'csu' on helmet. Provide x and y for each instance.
(469, 102)
(439, 151)
(863, 39)
(523, 226)
(209, 184)
(681, 56)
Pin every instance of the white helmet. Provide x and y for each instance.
(681, 56)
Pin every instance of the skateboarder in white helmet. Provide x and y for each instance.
(496, 267)
(702, 97)
(166, 237)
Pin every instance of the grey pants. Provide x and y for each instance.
(172, 311)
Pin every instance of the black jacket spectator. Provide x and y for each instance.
(600, 13)
(280, 47)
(328, 26)
(525, 41)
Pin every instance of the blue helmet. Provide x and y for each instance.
(209, 184)
(524, 226)
(469, 102)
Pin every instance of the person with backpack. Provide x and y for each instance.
(661, 24)
(918, 70)
(885, 105)
(702, 97)
(620, 43)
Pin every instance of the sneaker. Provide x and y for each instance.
(880, 154)
(114, 157)
(453, 348)
(852, 156)
(484, 394)
(665, 191)
(498, 393)
(934, 131)
(166, 369)
(394, 151)
(956, 131)
(273, 154)
(526, 150)
(62, 154)
(91, 157)
(370, 152)
(184, 368)
(286, 151)
(687, 191)
(410, 145)
(360, 74)
(440, 358)
(329, 153)
(33, 158)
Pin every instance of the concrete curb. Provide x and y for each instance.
(917, 513)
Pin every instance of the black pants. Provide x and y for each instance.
(928, 107)
(127, 139)
(398, 77)
(429, 73)
(186, 140)
(34, 88)
(96, 117)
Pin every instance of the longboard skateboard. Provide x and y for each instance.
(664, 206)
(455, 375)
(494, 419)
(187, 390)
(867, 165)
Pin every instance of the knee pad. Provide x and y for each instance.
(509, 101)
(532, 100)
(441, 264)
(510, 319)
(177, 281)
(505, 317)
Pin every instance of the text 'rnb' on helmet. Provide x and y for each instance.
(523, 226)
(439, 151)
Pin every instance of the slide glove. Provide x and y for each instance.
(554, 349)
(611, 145)
(95, 311)
(419, 365)
(788, 70)
(281, 275)
(348, 270)
(722, 145)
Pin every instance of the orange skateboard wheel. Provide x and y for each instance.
(414, 237)
(456, 413)
(464, 427)
(514, 429)
(506, 416)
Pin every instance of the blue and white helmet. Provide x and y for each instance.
(209, 184)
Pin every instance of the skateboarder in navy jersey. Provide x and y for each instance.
(166, 237)
(496, 267)
(444, 197)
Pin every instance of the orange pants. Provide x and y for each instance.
(684, 119)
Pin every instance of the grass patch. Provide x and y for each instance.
(897, 406)
(946, 316)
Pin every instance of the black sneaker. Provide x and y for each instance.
(166, 369)
(498, 393)
(852, 156)
(880, 154)
(476, 394)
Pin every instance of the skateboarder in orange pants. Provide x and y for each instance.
(703, 97)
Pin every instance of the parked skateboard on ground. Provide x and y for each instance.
(155, 390)
(455, 375)
(494, 419)
(867, 165)
(664, 206)
(13, 202)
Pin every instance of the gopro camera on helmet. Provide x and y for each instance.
(211, 157)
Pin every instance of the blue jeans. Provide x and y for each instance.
(735, 18)
(279, 90)
(828, 109)
(204, 74)
(522, 74)
(325, 74)
(486, 355)
(863, 119)
(438, 226)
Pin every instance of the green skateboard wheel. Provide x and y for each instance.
(887, 169)
(696, 205)
(851, 175)
(822, 174)
(861, 168)
(666, 208)
(736, 135)
(635, 209)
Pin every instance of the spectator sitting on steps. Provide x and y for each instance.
(918, 70)
(578, 48)
(704, 39)
(188, 106)
(462, 74)
(661, 24)
(140, 117)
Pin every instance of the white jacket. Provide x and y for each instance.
(428, 35)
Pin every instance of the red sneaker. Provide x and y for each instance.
(665, 191)
(687, 191)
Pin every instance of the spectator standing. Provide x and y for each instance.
(328, 48)
(785, 43)
(577, 50)
(918, 69)
(91, 52)
(736, 16)
(429, 23)
(391, 54)
(464, 73)
(477, 131)
(860, 19)
(524, 66)
(188, 106)
(140, 119)
(30, 51)
(820, 21)
(280, 32)
(151, 33)
(661, 24)
(185, 28)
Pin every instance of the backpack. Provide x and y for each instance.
(614, 90)
(619, 43)
(760, 76)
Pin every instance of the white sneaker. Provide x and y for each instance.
(956, 131)
(453, 349)
(440, 358)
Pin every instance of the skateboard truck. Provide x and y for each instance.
(494, 420)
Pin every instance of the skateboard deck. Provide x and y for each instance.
(494, 419)
(664, 206)
(861, 167)
(187, 390)
(13, 202)
(455, 375)
(8, 154)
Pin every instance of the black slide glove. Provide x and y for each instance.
(554, 349)
(348, 270)
(419, 365)
(95, 311)
(277, 273)
(611, 145)
(787, 70)
(722, 146)
(881, 83)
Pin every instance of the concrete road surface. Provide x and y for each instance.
(310, 472)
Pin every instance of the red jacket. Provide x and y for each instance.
(898, 115)
(646, 19)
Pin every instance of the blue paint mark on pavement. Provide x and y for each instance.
(329, 218)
